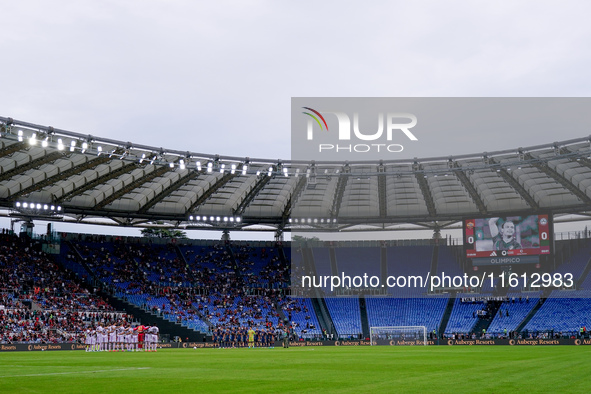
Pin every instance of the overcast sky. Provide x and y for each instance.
(218, 77)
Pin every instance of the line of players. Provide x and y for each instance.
(232, 337)
(121, 337)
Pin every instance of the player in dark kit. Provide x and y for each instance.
(243, 337)
(225, 338)
(214, 337)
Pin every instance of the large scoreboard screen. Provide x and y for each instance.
(510, 236)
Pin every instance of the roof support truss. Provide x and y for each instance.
(220, 183)
(340, 190)
(169, 190)
(424, 185)
(543, 167)
(293, 198)
(32, 164)
(470, 188)
(159, 171)
(10, 149)
(63, 175)
(252, 194)
(102, 179)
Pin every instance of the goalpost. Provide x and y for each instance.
(384, 335)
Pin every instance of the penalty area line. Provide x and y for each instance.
(75, 372)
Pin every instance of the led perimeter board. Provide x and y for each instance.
(508, 240)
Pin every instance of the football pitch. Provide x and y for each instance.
(486, 369)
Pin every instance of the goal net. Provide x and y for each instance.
(398, 335)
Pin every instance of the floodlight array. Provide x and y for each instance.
(37, 208)
(70, 142)
(312, 221)
(216, 220)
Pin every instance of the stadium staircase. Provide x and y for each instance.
(326, 324)
(309, 263)
(182, 257)
(285, 261)
(383, 264)
(280, 312)
(364, 319)
(434, 260)
(446, 315)
(82, 261)
(584, 274)
(202, 317)
(484, 322)
(333, 261)
(235, 266)
(533, 312)
(320, 308)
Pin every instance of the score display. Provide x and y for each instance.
(510, 236)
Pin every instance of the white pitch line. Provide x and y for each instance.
(74, 372)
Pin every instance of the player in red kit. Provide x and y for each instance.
(140, 336)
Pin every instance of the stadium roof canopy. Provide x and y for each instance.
(130, 184)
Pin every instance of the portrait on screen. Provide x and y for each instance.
(506, 233)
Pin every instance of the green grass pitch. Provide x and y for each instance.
(486, 369)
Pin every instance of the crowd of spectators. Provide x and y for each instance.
(39, 301)
(220, 285)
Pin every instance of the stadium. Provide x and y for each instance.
(512, 292)
(267, 196)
